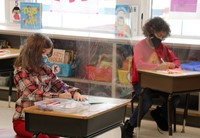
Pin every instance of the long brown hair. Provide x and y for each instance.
(31, 53)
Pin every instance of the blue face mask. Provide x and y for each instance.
(44, 59)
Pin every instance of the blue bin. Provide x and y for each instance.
(62, 70)
(197, 68)
(191, 66)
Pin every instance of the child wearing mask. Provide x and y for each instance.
(151, 54)
(35, 81)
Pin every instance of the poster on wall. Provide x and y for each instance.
(15, 11)
(122, 22)
(183, 6)
(31, 15)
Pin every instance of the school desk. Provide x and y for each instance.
(177, 82)
(7, 58)
(92, 121)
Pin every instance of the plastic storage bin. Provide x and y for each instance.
(98, 74)
(124, 72)
(62, 70)
(191, 66)
(62, 105)
(124, 76)
(4, 80)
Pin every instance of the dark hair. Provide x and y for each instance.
(31, 53)
(156, 24)
(15, 9)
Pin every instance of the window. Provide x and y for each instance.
(2, 11)
(183, 16)
(96, 15)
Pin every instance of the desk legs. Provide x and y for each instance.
(10, 88)
(139, 115)
(185, 112)
(170, 114)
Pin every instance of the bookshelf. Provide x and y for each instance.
(66, 39)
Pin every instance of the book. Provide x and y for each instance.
(31, 15)
(69, 56)
(58, 56)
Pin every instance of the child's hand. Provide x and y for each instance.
(66, 95)
(171, 65)
(78, 97)
(166, 65)
(162, 66)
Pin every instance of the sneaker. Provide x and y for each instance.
(161, 122)
(127, 130)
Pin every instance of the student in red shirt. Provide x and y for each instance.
(151, 54)
(35, 81)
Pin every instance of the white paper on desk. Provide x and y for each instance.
(91, 101)
(103, 107)
(95, 101)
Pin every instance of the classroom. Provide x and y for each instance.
(99, 68)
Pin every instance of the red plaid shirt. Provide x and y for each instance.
(33, 87)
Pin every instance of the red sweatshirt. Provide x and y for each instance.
(147, 57)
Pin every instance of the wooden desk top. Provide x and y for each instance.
(9, 53)
(92, 110)
(172, 73)
(180, 82)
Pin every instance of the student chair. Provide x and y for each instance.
(134, 99)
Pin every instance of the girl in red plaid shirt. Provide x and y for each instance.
(35, 81)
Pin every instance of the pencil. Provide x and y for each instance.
(162, 60)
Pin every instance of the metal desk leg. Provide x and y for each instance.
(139, 115)
(185, 112)
(170, 115)
(10, 88)
(174, 119)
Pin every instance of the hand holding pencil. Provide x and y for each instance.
(165, 65)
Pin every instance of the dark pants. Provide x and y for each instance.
(147, 96)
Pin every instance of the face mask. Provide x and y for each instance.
(44, 59)
(155, 41)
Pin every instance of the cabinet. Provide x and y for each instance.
(105, 81)
(89, 47)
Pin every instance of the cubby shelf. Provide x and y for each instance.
(88, 38)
